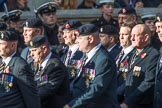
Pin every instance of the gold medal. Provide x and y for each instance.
(10, 84)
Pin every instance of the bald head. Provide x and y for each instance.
(141, 36)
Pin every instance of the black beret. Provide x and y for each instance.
(3, 26)
(8, 35)
(37, 41)
(108, 29)
(159, 17)
(13, 15)
(47, 7)
(86, 29)
(33, 23)
(127, 10)
(71, 24)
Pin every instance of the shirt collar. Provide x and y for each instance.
(128, 49)
(74, 48)
(111, 47)
(91, 53)
(7, 60)
(43, 64)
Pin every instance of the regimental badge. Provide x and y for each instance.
(67, 26)
(158, 18)
(49, 6)
(26, 23)
(124, 10)
(17, 14)
(101, 29)
(31, 43)
(2, 35)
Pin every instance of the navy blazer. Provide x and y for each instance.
(116, 50)
(55, 92)
(158, 85)
(141, 79)
(23, 93)
(120, 79)
(101, 92)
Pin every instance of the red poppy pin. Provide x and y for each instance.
(7, 70)
(125, 62)
(143, 55)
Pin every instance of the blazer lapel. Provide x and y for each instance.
(139, 58)
(158, 68)
(89, 63)
(11, 63)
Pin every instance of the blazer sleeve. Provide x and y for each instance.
(27, 85)
(103, 78)
(147, 83)
(56, 75)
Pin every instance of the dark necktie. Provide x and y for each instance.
(68, 57)
(38, 72)
(83, 62)
(2, 67)
(28, 58)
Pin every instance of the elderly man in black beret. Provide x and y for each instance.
(51, 75)
(127, 14)
(17, 87)
(110, 39)
(47, 13)
(93, 87)
(73, 54)
(158, 80)
(31, 27)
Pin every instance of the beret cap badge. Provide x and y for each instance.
(27, 24)
(67, 26)
(31, 43)
(101, 29)
(2, 35)
(158, 18)
(124, 10)
(49, 6)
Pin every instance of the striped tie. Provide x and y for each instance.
(2, 67)
(119, 58)
(68, 57)
(38, 72)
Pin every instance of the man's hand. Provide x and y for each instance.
(66, 106)
(123, 105)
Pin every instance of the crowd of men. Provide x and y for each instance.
(105, 63)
